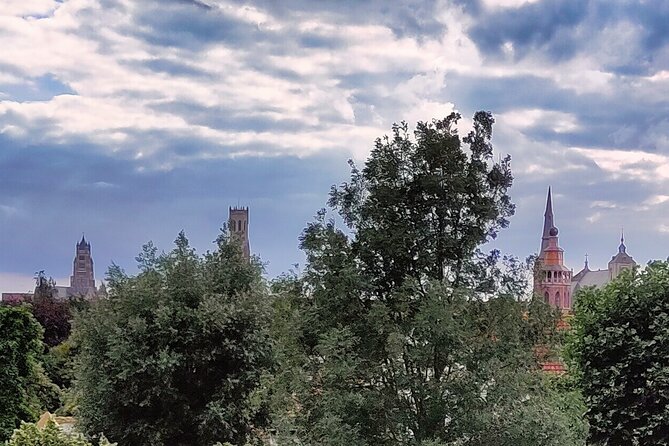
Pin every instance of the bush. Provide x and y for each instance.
(31, 435)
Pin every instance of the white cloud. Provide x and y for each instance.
(559, 122)
(492, 4)
(629, 164)
(8, 211)
(27, 7)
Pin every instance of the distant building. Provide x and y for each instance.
(238, 225)
(15, 298)
(555, 282)
(82, 280)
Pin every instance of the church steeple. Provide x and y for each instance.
(548, 223)
(553, 279)
(622, 248)
(622, 260)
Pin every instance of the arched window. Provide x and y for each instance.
(546, 297)
(557, 299)
(549, 276)
(232, 225)
(239, 223)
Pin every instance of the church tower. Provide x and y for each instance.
(82, 281)
(552, 280)
(620, 261)
(238, 225)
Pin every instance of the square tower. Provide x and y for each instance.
(82, 281)
(238, 225)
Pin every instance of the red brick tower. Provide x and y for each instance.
(553, 279)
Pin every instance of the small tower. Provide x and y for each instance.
(82, 281)
(620, 261)
(553, 279)
(238, 225)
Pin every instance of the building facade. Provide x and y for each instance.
(555, 282)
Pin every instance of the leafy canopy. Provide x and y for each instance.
(401, 331)
(175, 354)
(620, 354)
(31, 435)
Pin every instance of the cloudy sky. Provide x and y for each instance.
(131, 120)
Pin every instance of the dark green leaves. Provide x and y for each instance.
(620, 350)
(175, 356)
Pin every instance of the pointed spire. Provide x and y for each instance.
(549, 203)
(548, 221)
(622, 248)
(586, 267)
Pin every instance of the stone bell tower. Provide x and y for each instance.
(82, 281)
(552, 280)
(238, 225)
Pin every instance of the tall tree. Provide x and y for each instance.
(401, 330)
(20, 349)
(175, 354)
(620, 353)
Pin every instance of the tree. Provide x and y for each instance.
(175, 354)
(401, 331)
(31, 435)
(620, 356)
(20, 349)
(53, 315)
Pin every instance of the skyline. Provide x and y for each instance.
(130, 121)
(575, 269)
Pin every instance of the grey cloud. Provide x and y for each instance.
(226, 118)
(545, 24)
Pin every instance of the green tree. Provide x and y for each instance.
(401, 331)
(31, 435)
(20, 350)
(175, 354)
(620, 357)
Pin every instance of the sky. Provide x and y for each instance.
(132, 120)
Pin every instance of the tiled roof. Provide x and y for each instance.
(591, 278)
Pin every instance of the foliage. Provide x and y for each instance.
(402, 331)
(53, 315)
(21, 380)
(620, 356)
(31, 435)
(174, 356)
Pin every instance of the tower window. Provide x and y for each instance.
(233, 223)
(239, 224)
(546, 297)
(557, 299)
